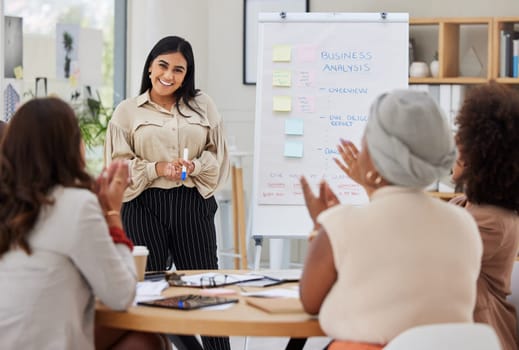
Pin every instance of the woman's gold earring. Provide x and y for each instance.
(378, 180)
(369, 175)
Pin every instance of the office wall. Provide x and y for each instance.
(438, 8)
(149, 21)
(215, 28)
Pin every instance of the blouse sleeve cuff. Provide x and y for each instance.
(198, 167)
(151, 171)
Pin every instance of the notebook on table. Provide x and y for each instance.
(188, 302)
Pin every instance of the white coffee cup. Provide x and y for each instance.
(140, 254)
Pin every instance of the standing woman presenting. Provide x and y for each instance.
(173, 215)
(174, 218)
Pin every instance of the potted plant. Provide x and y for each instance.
(93, 118)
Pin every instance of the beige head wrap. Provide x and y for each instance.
(408, 138)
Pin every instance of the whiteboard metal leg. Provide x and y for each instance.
(279, 253)
(258, 242)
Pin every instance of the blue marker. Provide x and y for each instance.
(184, 170)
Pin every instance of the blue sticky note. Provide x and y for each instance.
(294, 126)
(293, 149)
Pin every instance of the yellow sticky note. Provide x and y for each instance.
(281, 53)
(281, 78)
(282, 104)
(18, 72)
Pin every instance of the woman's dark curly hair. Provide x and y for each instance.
(40, 150)
(488, 141)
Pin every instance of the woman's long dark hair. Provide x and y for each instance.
(171, 44)
(41, 149)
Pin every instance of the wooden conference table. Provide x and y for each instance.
(240, 319)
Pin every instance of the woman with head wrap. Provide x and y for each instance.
(488, 169)
(405, 259)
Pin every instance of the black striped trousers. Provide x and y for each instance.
(177, 226)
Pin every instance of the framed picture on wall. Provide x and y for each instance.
(251, 9)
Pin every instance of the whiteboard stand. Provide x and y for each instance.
(238, 206)
(258, 244)
(279, 255)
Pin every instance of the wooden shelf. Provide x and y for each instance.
(451, 80)
(508, 80)
(449, 44)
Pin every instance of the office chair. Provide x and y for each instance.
(447, 336)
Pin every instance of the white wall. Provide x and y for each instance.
(438, 8)
(151, 20)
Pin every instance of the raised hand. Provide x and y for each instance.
(314, 204)
(349, 164)
(111, 185)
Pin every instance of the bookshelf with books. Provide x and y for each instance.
(506, 50)
(453, 38)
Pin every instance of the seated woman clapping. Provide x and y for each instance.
(61, 237)
(404, 259)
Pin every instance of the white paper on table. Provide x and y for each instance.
(150, 290)
(274, 293)
(218, 307)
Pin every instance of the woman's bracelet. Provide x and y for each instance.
(112, 213)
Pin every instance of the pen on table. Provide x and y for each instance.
(184, 170)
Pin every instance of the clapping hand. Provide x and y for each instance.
(314, 204)
(111, 185)
(349, 164)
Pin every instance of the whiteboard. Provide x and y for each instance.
(250, 36)
(318, 74)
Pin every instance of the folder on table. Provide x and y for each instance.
(276, 305)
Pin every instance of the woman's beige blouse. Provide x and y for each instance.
(145, 133)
